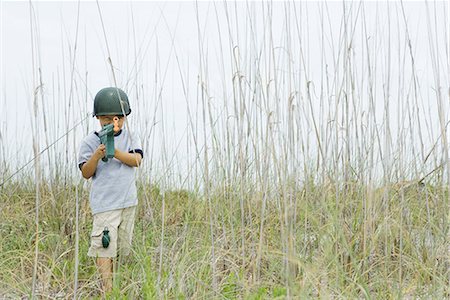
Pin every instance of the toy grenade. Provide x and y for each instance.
(106, 238)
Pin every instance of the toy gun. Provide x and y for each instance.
(106, 136)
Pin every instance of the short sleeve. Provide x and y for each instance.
(87, 148)
(135, 145)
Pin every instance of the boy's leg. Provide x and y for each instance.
(105, 268)
(104, 256)
(112, 220)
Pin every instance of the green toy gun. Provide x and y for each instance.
(106, 136)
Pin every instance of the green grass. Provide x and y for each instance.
(336, 250)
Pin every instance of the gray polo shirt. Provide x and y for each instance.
(113, 184)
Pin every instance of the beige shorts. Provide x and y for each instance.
(120, 223)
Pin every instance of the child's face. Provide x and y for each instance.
(105, 120)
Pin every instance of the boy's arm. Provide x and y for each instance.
(130, 159)
(88, 168)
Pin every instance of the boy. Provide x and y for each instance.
(113, 196)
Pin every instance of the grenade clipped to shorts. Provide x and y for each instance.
(106, 238)
(112, 232)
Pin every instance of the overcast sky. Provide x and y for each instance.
(160, 51)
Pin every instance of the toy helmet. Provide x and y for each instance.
(111, 101)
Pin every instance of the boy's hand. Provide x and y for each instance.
(100, 152)
(88, 169)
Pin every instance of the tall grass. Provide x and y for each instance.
(310, 162)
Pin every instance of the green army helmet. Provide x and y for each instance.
(110, 101)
